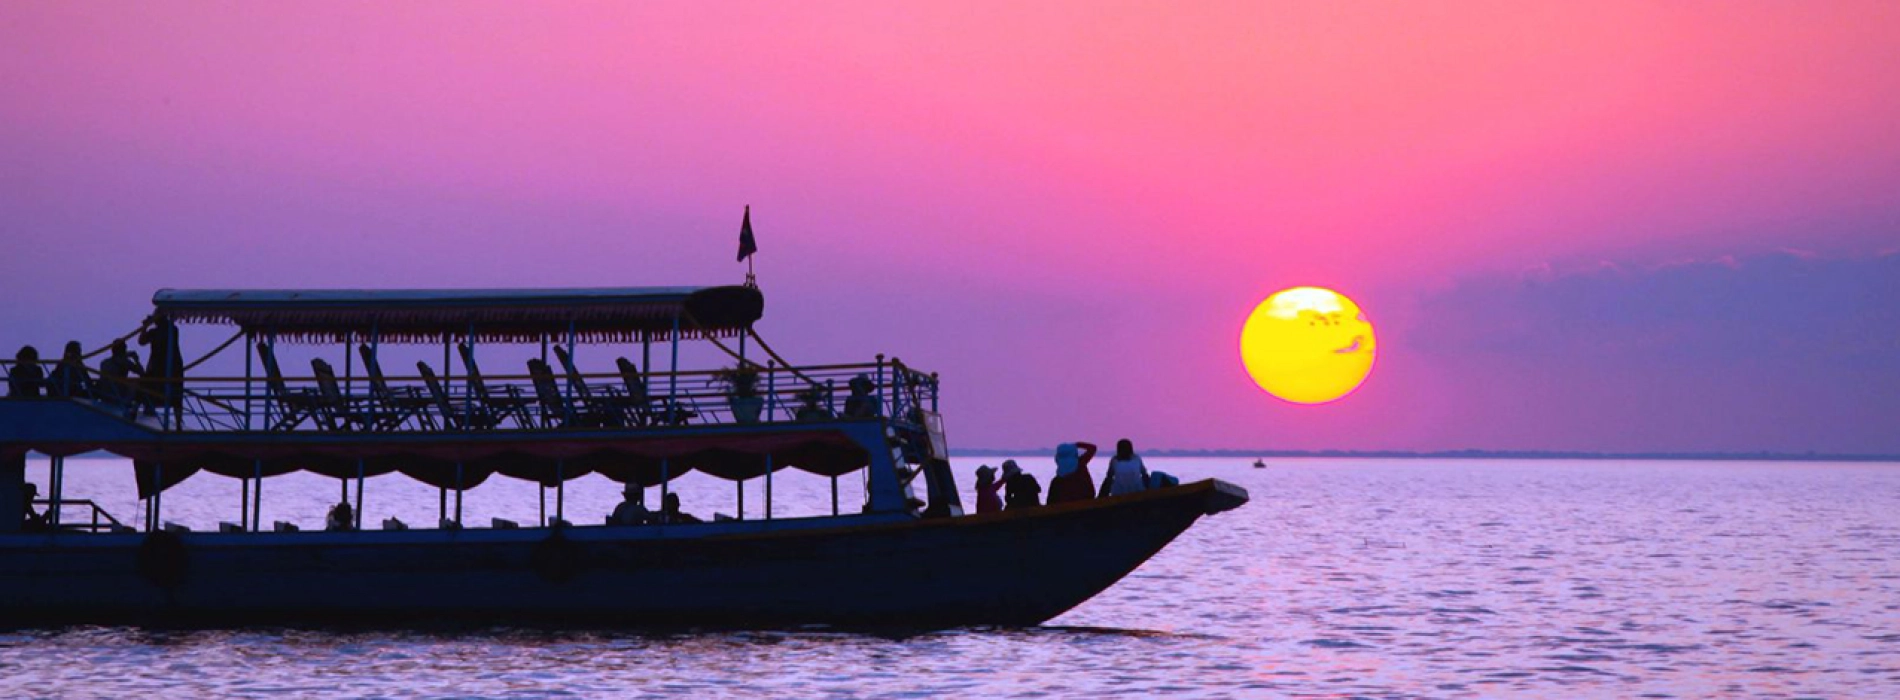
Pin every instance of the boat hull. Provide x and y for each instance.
(1016, 568)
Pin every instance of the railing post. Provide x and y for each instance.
(878, 386)
(936, 391)
(771, 387)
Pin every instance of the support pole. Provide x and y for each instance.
(158, 495)
(834, 495)
(741, 485)
(250, 350)
(458, 494)
(665, 481)
(57, 489)
(257, 502)
(560, 489)
(673, 378)
(768, 487)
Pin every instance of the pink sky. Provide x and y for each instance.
(1067, 208)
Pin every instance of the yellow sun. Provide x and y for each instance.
(1307, 345)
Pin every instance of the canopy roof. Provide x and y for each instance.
(601, 314)
(647, 458)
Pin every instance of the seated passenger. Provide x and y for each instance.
(1126, 474)
(987, 500)
(25, 379)
(860, 404)
(633, 507)
(341, 518)
(1072, 482)
(69, 378)
(1020, 488)
(115, 379)
(670, 511)
(31, 520)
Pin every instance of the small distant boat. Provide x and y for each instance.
(1260, 464)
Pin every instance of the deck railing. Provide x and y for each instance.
(96, 519)
(777, 394)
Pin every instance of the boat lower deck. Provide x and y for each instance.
(1012, 568)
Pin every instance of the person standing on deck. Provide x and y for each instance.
(1073, 481)
(1126, 474)
(988, 500)
(164, 367)
(1020, 488)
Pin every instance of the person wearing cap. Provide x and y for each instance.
(31, 520)
(1020, 488)
(633, 507)
(987, 486)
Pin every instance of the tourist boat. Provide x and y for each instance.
(1260, 464)
(899, 558)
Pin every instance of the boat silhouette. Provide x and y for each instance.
(900, 558)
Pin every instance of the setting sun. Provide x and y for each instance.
(1307, 345)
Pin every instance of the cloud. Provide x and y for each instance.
(1784, 308)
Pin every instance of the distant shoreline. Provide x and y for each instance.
(1468, 454)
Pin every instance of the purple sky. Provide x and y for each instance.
(1640, 226)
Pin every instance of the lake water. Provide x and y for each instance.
(1343, 578)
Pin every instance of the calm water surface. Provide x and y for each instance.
(1343, 578)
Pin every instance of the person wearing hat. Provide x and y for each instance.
(987, 500)
(1072, 482)
(633, 507)
(32, 520)
(1020, 488)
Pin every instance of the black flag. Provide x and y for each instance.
(747, 246)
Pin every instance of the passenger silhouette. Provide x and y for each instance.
(69, 377)
(670, 511)
(31, 520)
(633, 507)
(1020, 488)
(1073, 481)
(115, 379)
(165, 366)
(341, 518)
(1126, 473)
(25, 379)
(860, 404)
(987, 486)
